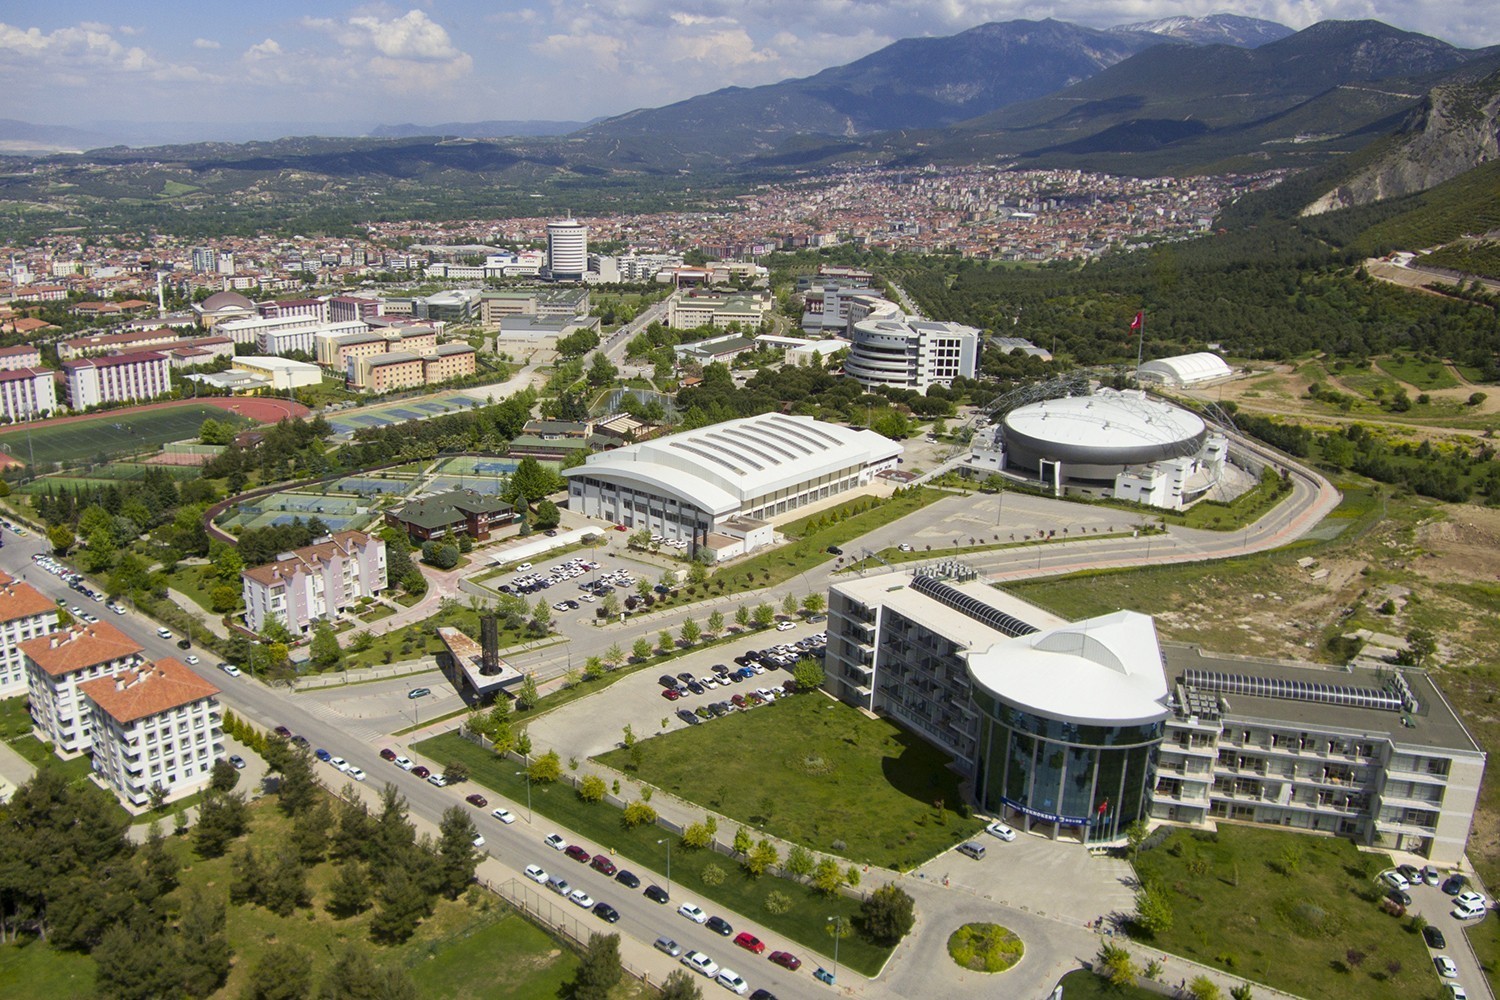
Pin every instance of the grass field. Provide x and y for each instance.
(1423, 375)
(530, 972)
(1081, 984)
(1295, 912)
(805, 922)
(840, 778)
(118, 432)
(34, 970)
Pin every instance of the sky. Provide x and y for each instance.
(75, 62)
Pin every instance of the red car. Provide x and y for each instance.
(477, 800)
(621, 527)
(578, 854)
(283, 731)
(421, 771)
(603, 865)
(738, 701)
(750, 942)
(671, 694)
(786, 960)
(387, 754)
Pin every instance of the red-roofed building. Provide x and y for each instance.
(119, 378)
(25, 614)
(20, 356)
(157, 726)
(315, 582)
(27, 393)
(55, 666)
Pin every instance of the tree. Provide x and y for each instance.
(547, 515)
(349, 894)
(1115, 964)
(1244, 991)
(1153, 908)
(136, 963)
(455, 771)
(246, 878)
(523, 743)
(601, 371)
(310, 830)
(60, 538)
(764, 615)
(614, 655)
(297, 790)
(531, 482)
(528, 697)
(441, 554)
(224, 598)
(356, 976)
(789, 604)
(223, 777)
(808, 673)
(542, 613)
(814, 603)
(202, 946)
(827, 876)
(283, 972)
(403, 904)
(664, 641)
(600, 970)
(1203, 988)
(742, 616)
(715, 622)
(221, 818)
(457, 858)
(285, 886)
(762, 858)
(680, 986)
(887, 915)
(325, 646)
(691, 633)
(642, 649)
(799, 861)
(1422, 645)
(546, 768)
(591, 788)
(638, 814)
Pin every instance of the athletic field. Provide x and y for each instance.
(107, 435)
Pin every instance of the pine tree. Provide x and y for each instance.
(349, 895)
(355, 976)
(403, 904)
(245, 884)
(310, 833)
(202, 945)
(600, 971)
(285, 886)
(283, 972)
(457, 859)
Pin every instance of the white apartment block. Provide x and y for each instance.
(57, 663)
(282, 341)
(27, 393)
(25, 614)
(155, 726)
(119, 378)
(20, 356)
(315, 582)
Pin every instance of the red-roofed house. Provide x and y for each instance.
(56, 664)
(24, 614)
(116, 379)
(154, 726)
(315, 582)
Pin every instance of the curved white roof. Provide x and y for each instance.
(1185, 369)
(1105, 420)
(1105, 671)
(722, 466)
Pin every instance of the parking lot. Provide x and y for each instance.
(1436, 904)
(373, 709)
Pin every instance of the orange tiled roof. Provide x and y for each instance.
(149, 690)
(21, 600)
(308, 557)
(80, 647)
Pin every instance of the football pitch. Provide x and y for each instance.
(119, 432)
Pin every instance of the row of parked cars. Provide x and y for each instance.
(530, 583)
(76, 582)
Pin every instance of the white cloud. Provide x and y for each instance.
(206, 43)
(268, 49)
(80, 53)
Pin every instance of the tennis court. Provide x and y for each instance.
(366, 486)
(337, 512)
(478, 465)
(382, 416)
(489, 487)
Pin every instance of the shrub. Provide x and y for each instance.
(712, 874)
(778, 902)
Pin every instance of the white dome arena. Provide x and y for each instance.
(1097, 436)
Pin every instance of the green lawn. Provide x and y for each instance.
(1081, 984)
(1293, 911)
(814, 771)
(465, 969)
(420, 639)
(34, 970)
(806, 922)
(117, 432)
(1424, 375)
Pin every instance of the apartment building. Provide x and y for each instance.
(316, 582)
(119, 378)
(449, 361)
(25, 614)
(57, 663)
(156, 728)
(27, 393)
(342, 308)
(20, 356)
(387, 372)
(114, 343)
(316, 309)
(690, 310)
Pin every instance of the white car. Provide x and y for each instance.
(191, 661)
(438, 780)
(785, 626)
(1395, 880)
(1456, 992)
(356, 773)
(1445, 967)
(731, 981)
(537, 874)
(340, 764)
(581, 898)
(523, 566)
(556, 842)
(699, 962)
(693, 912)
(504, 816)
(230, 669)
(478, 840)
(1002, 831)
(1470, 899)
(404, 763)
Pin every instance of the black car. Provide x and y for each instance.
(628, 879)
(688, 717)
(835, 550)
(667, 681)
(718, 709)
(684, 677)
(1455, 884)
(656, 894)
(695, 687)
(719, 926)
(1435, 939)
(606, 913)
(1397, 896)
(762, 995)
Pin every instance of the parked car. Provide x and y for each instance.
(537, 874)
(785, 626)
(1431, 875)
(437, 779)
(699, 962)
(629, 879)
(602, 865)
(693, 912)
(322, 755)
(1000, 830)
(1456, 992)
(1396, 880)
(580, 898)
(356, 773)
(559, 885)
(420, 771)
(419, 693)
(477, 800)
(731, 981)
(1397, 896)
(762, 995)
(1455, 884)
(339, 764)
(1434, 937)
(656, 894)
(237, 761)
(228, 668)
(404, 763)
(556, 842)
(671, 694)
(750, 942)
(786, 960)
(668, 946)
(667, 681)
(504, 815)
(387, 754)
(1445, 966)
(719, 926)
(607, 913)
(577, 853)
(1411, 873)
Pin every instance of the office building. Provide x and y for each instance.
(567, 250)
(456, 512)
(889, 348)
(317, 582)
(280, 374)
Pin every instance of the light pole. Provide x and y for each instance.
(668, 842)
(528, 793)
(838, 932)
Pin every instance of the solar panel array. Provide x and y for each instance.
(971, 606)
(1289, 690)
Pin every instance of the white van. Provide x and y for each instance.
(973, 850)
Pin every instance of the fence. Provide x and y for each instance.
(556, 915)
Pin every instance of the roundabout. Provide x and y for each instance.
(984, 947)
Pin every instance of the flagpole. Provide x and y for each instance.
(1140, 345)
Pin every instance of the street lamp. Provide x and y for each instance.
(528, 793)
(838, 931)
(668, 842)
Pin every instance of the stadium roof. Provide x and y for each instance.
(720, 467)
(1105, 420)
(1103, 671)
(1187, 369)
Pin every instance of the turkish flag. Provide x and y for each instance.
(1139, 321)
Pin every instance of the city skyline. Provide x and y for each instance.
(268, 67)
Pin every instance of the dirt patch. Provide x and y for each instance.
(1464, 547)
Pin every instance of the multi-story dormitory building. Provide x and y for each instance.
(1076, 730)
(57, 663)
(25, 614)
(315, 582)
